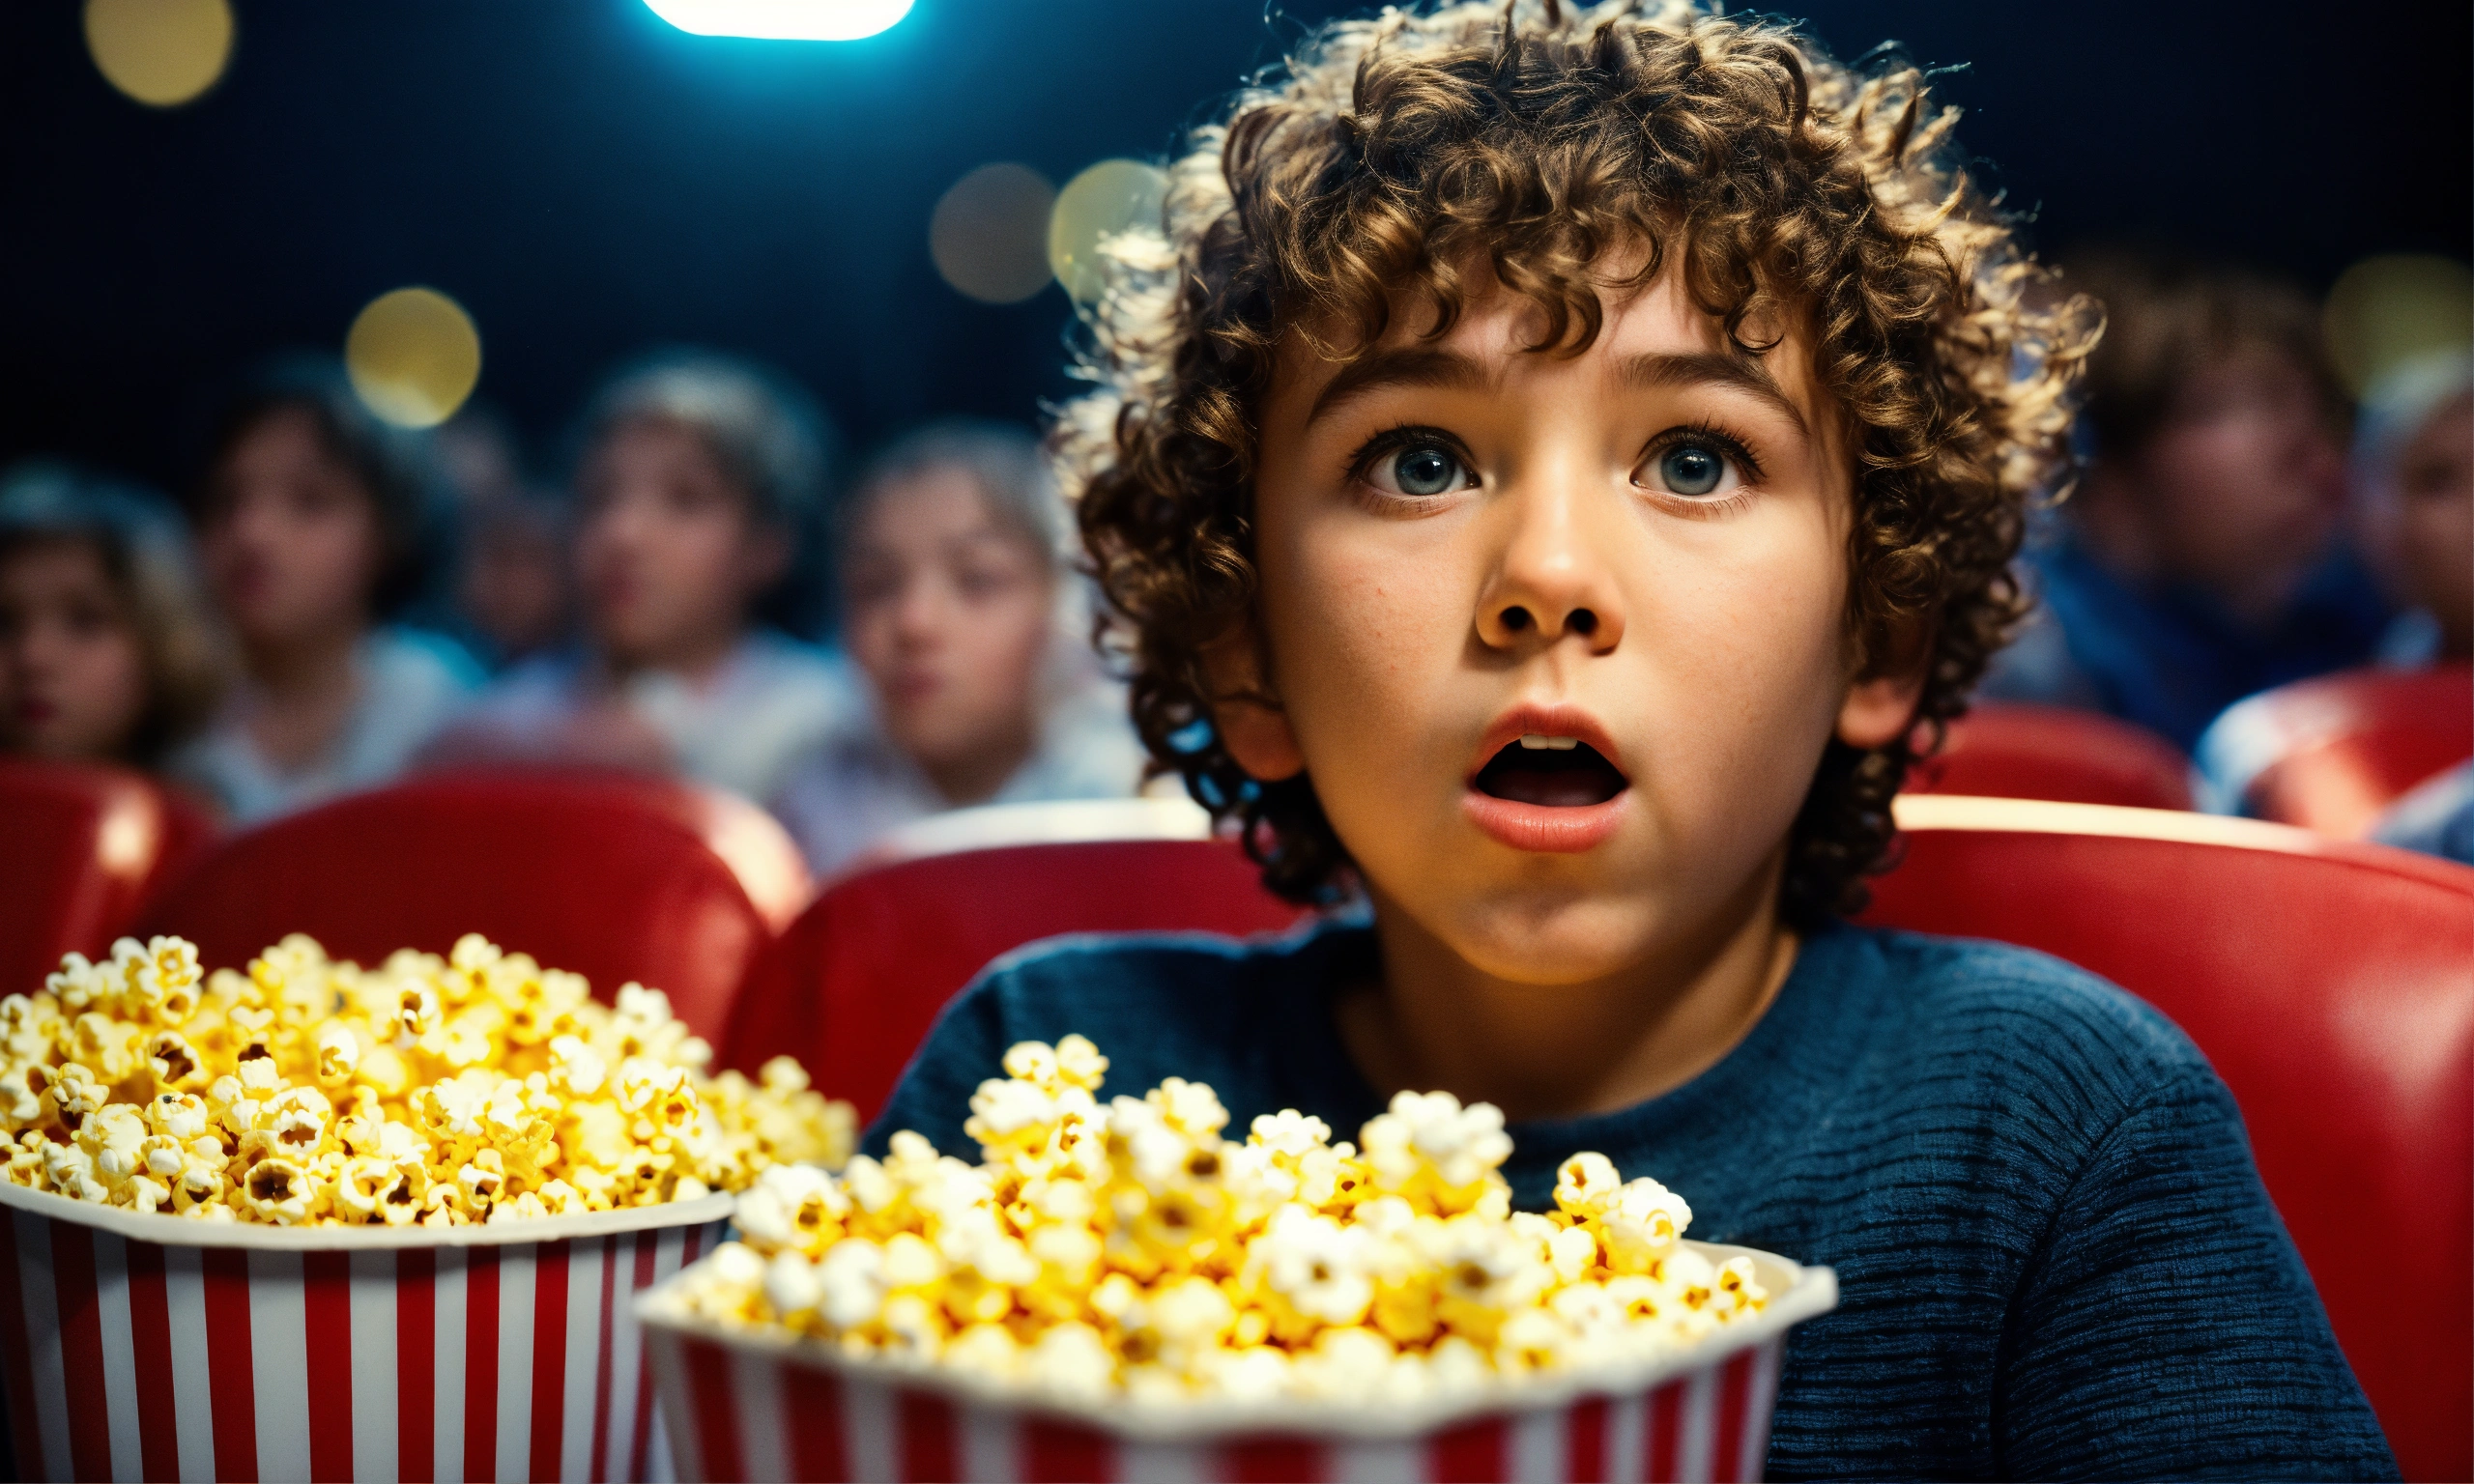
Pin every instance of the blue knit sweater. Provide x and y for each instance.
(2053, 1255)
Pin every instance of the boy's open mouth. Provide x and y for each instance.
(1552, 772)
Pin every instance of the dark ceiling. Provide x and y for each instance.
(588, 181)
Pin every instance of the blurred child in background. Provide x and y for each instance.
(106, 653)
(699, 477)
(2414, 502)
(316, 525)
(971, 630)
(2197, 562)
(513, 592)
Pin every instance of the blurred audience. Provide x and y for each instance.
(106, 652)
(513, 594)
(2436, 818)
(697, 478)
(972, 631)
(2198, 560)
(2414, 502)
(316, 527)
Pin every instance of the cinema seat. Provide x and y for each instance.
(2332, 986)
(84, 848)
(2018, 752)
(854, 984)
(618, 877)
(2333, 752)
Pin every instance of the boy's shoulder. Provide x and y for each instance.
(1246, 1015)
(2016, 1020)
(1202, 981)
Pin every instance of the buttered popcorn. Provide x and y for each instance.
(1130, 1249)
(432, 1092)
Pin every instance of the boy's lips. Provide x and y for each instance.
(1565, 792)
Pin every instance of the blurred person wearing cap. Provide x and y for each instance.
(972, 627)
(317, 526)
(107, 651)
(2200, 559)
(699, 480)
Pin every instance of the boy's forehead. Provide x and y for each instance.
(1498, 333)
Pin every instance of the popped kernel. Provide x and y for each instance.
(1134, 1252)
(444, 1091)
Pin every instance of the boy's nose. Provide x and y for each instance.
(1553, 580)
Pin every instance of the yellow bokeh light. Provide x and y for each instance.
(989, 233)
(160, 52)
(414, 357)
(1103, 200)
(2387, 310)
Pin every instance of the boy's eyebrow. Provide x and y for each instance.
(1652, 370)
(1412, 366)
(1649, 370)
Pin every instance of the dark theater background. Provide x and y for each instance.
(586, 179)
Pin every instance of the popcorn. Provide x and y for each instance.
(1135, 1253)
(480, 1087)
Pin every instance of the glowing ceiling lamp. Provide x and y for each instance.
(783, 20)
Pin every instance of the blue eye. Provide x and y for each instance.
(1691, 469)
(1422, 470)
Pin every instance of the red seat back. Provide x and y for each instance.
(2331, 985)
(609, 877)
(854, 984)
(2331, 754)
(82, 847)
(2014, 752)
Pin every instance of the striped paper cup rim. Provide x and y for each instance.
(188, 1232)
(1801, 1294)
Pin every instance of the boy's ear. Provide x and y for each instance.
(1879, 707)
(1247, 714)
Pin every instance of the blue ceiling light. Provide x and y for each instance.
(783, 20)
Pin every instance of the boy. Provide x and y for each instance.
(1545, 476)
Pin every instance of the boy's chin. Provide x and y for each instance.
(1551, 935)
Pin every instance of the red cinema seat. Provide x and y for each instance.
(2331, 985)
(615, 877)
(2333, 752)
(84, 846)
(2017, 751)
(854, 984)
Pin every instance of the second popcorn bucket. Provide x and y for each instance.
(146, 1347)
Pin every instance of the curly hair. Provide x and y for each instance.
(1438, 153)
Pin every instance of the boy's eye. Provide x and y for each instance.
(1420, 469)
(1692, 467)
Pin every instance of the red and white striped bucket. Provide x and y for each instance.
(142, 1347)
(743, 1407)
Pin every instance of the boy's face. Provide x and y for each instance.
(1635, 557)
(669, 555)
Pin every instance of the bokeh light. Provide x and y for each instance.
(1103, 200)
(783, 20)
(160, 52)
(2388, 310)
(989, 233)
(414, 357)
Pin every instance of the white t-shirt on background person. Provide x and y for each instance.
(411, 685)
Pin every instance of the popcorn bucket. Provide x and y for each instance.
(152, 1347)
(747, 1406)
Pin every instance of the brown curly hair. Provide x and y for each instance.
(1439, 152)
